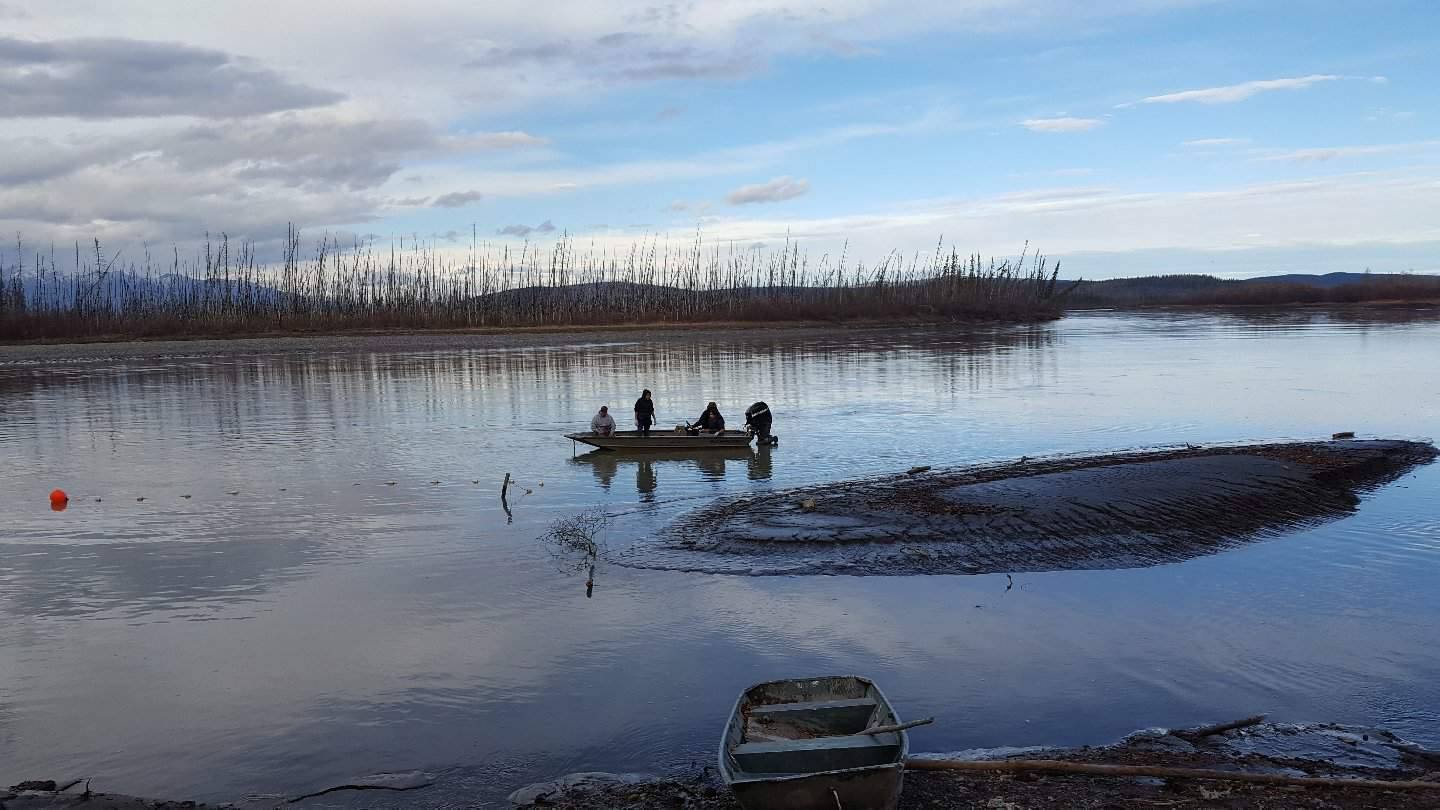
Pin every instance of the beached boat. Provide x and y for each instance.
(663, 440)
(800, 744)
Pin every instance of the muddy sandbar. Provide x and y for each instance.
(1078, 512)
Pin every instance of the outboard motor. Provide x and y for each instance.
(757, 421)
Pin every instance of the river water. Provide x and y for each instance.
(315, 587)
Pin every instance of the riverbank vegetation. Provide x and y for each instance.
(227, 288)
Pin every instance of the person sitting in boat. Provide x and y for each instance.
(758, 420)
(644, 412)
(602, 423)
(710, 420)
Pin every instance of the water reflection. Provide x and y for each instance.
(150, 582)
(711, 465)
(645, 481)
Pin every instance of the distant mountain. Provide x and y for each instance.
(1281, 289)
(1328, 280)
(119, 288)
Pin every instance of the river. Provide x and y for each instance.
(285, 564)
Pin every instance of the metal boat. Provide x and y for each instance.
(631, 440)
(799, 744)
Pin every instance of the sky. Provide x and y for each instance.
(1122, 137)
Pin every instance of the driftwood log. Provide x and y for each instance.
(1219, 728)
(1089, 769)
(337, 788)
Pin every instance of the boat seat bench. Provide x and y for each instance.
(819, 754)
(854, 712)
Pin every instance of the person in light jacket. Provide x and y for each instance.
(602, 423)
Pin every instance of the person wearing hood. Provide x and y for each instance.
(710, 419)
(758, 419)
(602, 423)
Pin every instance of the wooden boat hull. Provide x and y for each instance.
(632, 440)
(795, 744)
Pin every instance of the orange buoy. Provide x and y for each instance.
(59, 500)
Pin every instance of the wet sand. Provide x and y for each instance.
(1297, 750)
(1087, 512)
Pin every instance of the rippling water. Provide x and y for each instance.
(314, 586)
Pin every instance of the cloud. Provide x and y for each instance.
(624, 57)
(150, 199)
(494, 140)
(842, 47)
(330, 168)
(305, 143)
(733, 160)
(777, 190)
(403, 58)
(1061, 124)
(457, 199)
(120, 78)
(525, 230)
(1239, 92)
(1326, 153)
(33, 159)
(1201, 143)
(1360, 208)
(295, 148)
(697, 208)
(167, 183)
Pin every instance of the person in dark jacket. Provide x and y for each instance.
(644, 412)
(758, 419)
(710, 419)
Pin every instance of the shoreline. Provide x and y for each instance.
(1268, 750)
(419, 341)
(693, 327)
(1324, 751)
(556, 329)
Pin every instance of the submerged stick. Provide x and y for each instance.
(1219, 728)
(898, 726)
(1092, 769)
(357, 787)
